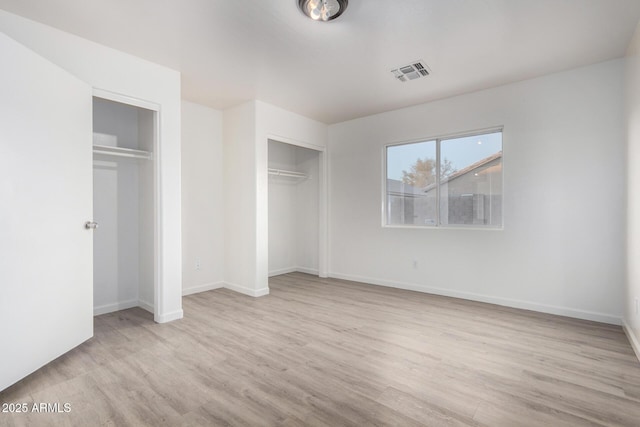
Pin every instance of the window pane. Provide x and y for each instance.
(471, 180)
(411, 170)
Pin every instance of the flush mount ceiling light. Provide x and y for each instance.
(323, 10)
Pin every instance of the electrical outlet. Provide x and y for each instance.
(415, 263)
(198, 264)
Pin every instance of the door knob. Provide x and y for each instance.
(90, 225)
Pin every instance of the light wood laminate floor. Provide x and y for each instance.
(324, 352)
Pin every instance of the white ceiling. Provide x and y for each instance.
(231, 51)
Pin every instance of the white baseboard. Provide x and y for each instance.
(312, 271)
(123, 305)
(293, 270)
(231, 286)
(202, 288)
(633, 339)
(146, 306)
(261, 292)
(247, 291)
(282, 271)
(550, 309)
(168, 317)
(110, 308)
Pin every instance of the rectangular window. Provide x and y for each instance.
(455, 181)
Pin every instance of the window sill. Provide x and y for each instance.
(444, 227)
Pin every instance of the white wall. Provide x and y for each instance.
(307, 221)
(106, 272)
(562, 247)
(114, 71)
(116, 119)
(117, 242)
(146, 210)
(239, 199)
(202, 199)
(632, 91)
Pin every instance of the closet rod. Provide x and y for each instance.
(121, 152)
(291, 174)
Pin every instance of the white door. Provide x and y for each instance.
(46, 259)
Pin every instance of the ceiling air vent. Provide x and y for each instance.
(413, 71)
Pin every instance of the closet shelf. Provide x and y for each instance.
(287, 174)
(121, 152)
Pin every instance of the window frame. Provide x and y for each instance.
(438, 140)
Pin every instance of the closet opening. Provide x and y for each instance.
(294, 206)
(124, 205)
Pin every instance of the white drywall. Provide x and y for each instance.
(114, 71)
(632, 103)
(202, 199)
(562, 247)
(307, 221)
(105, 242)
(116, 240)
(239, 199)
(118, 120)
(146, 211)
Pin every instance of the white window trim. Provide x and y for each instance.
(438, 139)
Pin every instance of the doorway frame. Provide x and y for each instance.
(323, 237)
(158, 282)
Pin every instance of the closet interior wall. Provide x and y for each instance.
(123, 208)
(293, 209)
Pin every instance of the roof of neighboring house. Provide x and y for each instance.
(465, 171)
(472, 167)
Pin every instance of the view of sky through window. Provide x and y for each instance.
(466, 151)
(402, 157)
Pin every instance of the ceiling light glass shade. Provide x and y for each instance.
(323, 10)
